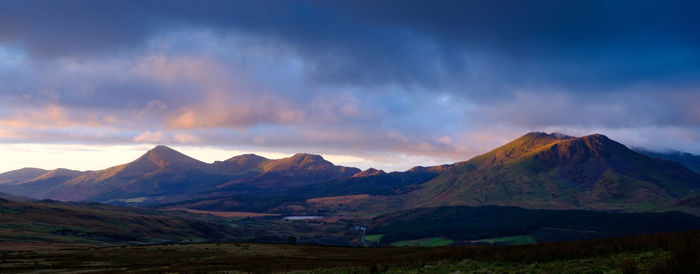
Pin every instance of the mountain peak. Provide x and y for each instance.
(245, 158)
(163, 156)
(597, 136)
(21, 175)
(595, 143)
(307, 156)
(535, 139)
(369, 172)
(162, 149)
(30, 169)
(298, 161)
(431, 169)
(59, 172)
(560, 135)
(308, 159)
(519, 147)
(549, 170)
(242, 163)
(553, 135)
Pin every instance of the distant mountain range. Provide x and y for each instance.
(537, 170)
(163, 171)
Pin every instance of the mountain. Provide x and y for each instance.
(369, 172)
(163, 175)
(10, 197)
(241, 164)
(372, 182)
(56, 173)
(164, 157)
(298, 170)
(161, 171)
(295, 200)
(432, 169)
(690, 161)
(537, 170)
(540, 170)
(20, 175)
(300, 161)
(34, 186)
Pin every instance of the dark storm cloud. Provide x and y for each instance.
(426, 43)
(418, 77)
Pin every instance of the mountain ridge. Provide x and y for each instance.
(369, 172)
(298, 170)
(165, 171)
(536, 170)
(21, 175)
(541, 170)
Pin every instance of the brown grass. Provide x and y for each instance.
(225, 214)
(338, 200)
(265, 258)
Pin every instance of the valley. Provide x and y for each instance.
(539, 189)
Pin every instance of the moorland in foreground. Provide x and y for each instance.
(652, 253)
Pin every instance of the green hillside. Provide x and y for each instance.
(56, 224)
(542, 170)
(513, 225)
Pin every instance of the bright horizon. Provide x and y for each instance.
(85, 158)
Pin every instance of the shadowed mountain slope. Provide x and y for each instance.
(20, 175)
(161, 170)
(376, 183)
(369, 172)
(15, 198)
(690, 161)
(241, 164)
(298, 170)
(290, 201)
(42, 183)
(542, 170)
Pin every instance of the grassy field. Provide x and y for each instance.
(657, 253)
(512, 240)
(468, 224)
(50, 223)
(427, 242)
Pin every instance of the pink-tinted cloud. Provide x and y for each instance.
(53, 116)
(184, 138)
(220, 114)
(150, 137)
(391, 87)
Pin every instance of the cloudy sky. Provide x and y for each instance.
(389, 84)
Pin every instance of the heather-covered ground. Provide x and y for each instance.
(655, 253)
